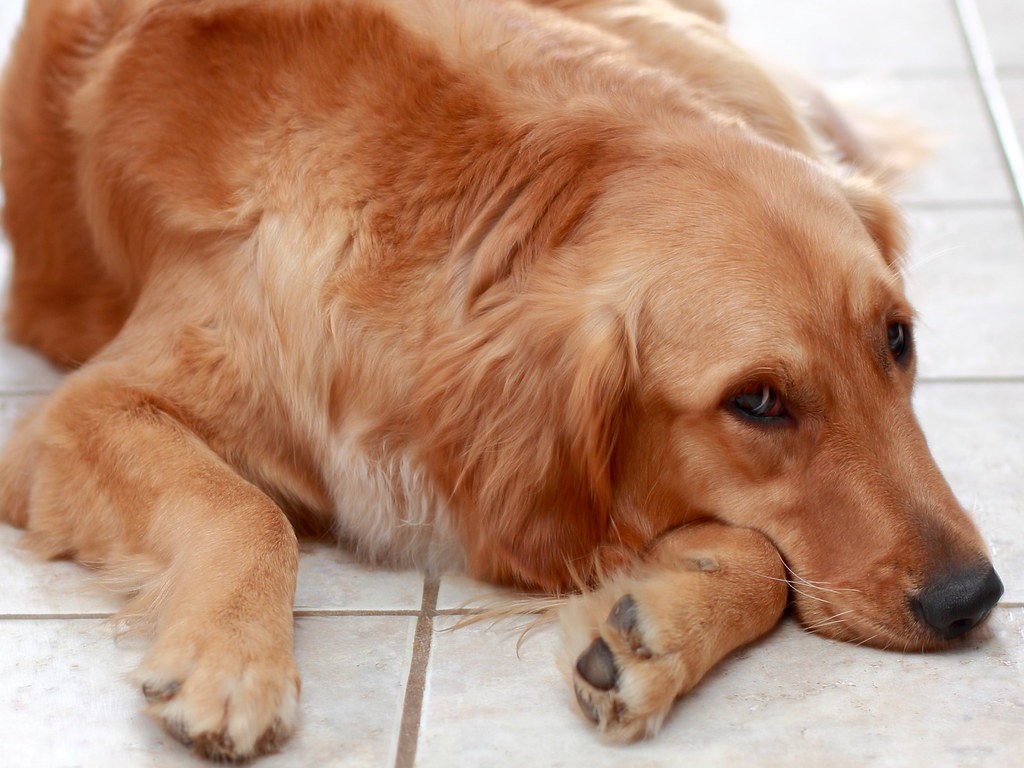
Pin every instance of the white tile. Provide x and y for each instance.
(966, 279)
(794, 699)
(966, 164)
(974, 431)
(1013, 91)
(34, 587)
(331, 579)
(23, 370)
(66, 700)
(457, 591)
(1004, 30)
(10, 20)
(878, 36)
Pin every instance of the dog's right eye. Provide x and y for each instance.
(761, 403)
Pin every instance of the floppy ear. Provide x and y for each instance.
(541, 196)
(880, 216)
(521, 409)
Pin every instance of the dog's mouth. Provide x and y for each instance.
(951, 608)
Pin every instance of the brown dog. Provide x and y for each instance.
(553, 293)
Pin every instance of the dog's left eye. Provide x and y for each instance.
(760, 402)
(899, 341)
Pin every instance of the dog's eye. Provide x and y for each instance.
(760, 402)
(899, 341)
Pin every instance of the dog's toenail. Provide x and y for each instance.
(586, 706)
(177, 730)
(596, 665)
(624, 615)
(156, 694)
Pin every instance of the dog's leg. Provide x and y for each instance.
(112, 475)
(646, 638)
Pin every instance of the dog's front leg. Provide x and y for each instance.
(647, 637)
(111, 475)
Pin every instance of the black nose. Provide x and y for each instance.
(958, 601)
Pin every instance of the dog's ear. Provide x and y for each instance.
(880, 216)
(542, 193)
(521, 409)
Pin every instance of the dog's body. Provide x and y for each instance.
(537, 291)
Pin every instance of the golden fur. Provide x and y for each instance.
(470, 283)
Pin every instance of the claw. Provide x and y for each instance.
(157, 694)
(587, 707)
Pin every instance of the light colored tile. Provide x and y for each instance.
(66, 700)
(966, 278)
(966, 164)
(879, 36)
(10, 20)
(794, 699)
(974, 431)
(1004, 30)
(331, 579)
(458, 591)
(33, 587)
(1013, 90)
(23, 370)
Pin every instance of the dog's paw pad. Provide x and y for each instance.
(597, 666)
(625, 619)
(624, 684)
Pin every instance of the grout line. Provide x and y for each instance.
(412, 708)
(995, 102)
(53, 616)
(957, 205)
(331, 612)
(970, 380)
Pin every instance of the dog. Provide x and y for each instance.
(574, 295)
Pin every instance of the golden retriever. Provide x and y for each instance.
(570, 292)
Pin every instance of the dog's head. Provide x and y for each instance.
(775, 363)
(717, 331)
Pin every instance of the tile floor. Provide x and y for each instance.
(386, 683)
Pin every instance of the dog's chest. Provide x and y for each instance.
(386, 505)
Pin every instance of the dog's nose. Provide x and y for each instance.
(958, 602)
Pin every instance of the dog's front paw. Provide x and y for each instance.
(625, 681)
(228, 698)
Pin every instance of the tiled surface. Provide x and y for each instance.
(976, 433)
(1003, 21)
(966, 278)
(877, 37)
(377, 691)
(66, 699)
(967, 165)
(793, 700)
(1013, 88)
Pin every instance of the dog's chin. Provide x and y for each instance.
(898, 631)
